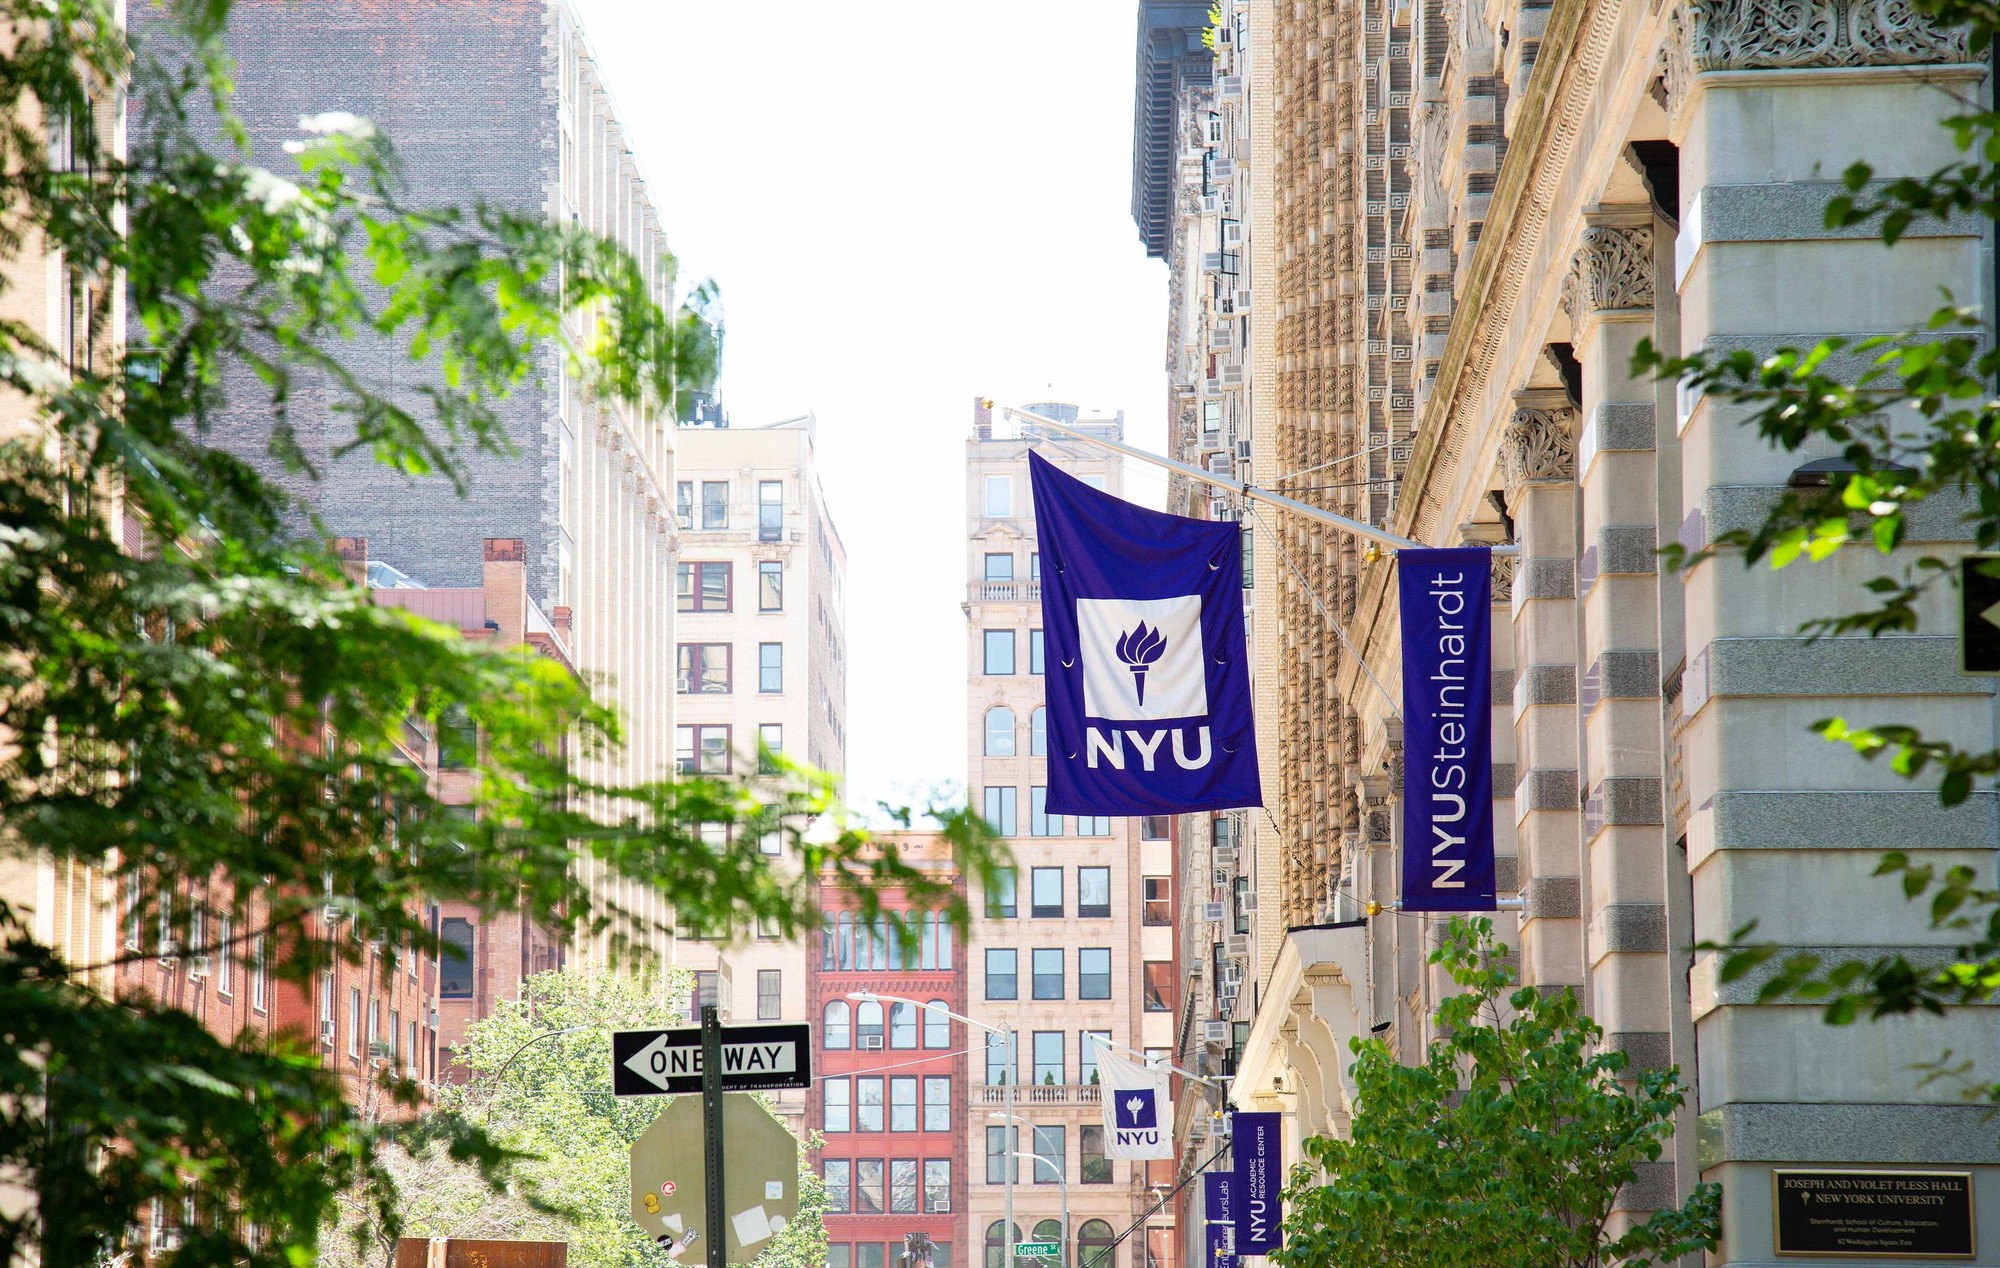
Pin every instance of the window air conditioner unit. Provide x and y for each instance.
(1219, 464)
(1222, 877)
(1232, 975)
(1211, 261)
(1225, 856)
(1232, 233)
(1232, 85)
(1215, 1032)
(1236, 947)
(378, 1050)
(1212, 387)
(1232, 376)
(1223, 336)
(683, 684)
(1224, 169)
(326, 1030)
(871, 1042)
(170, 948)
(198, 966)
(1211, 204)
(1211, 912)
(1242, 299)
(1225, 305)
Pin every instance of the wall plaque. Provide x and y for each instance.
(1873, 1214)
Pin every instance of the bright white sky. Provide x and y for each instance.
(906, 204)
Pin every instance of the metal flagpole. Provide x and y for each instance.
(1163, 1064)
(1358, 527)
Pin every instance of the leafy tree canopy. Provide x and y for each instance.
(193, 694)
(1505, 1147)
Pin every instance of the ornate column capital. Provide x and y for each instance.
(1612, 268)
(1540, 445)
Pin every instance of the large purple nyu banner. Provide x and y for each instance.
(1447, 729)
(1148, 686)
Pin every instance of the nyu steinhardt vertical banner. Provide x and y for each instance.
(1256, 1188)
(1447, 729)
(1216, 1222)
(1142, 626)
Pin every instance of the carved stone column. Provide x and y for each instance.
(1539, 453)
(1609, 296)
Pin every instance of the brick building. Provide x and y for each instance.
(891, 1094)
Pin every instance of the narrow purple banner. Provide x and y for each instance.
(1447, 729)
(1256, 1190)
(1218, 1227)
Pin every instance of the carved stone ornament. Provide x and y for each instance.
(1612, 269)
(1539, 447)
(1778, 34)
(1503, 579)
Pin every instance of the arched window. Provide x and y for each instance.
(881, 943)
(1093, 1246)
(826, 941)
(944, 942)
(1049, 1231)
(846, 936)
(902, 1026)
(927, 941)
(1038, 733)
(898, 926)
(999, 1246)
(937, 1026)
(868, 1024)
(835, 1028)
(999, 731)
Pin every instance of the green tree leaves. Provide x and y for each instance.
(1506, 1146)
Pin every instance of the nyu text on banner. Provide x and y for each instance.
(1220, 1231)
(1147, 669)
(1255, 1189)
(1137, 1108)
(1447, 729)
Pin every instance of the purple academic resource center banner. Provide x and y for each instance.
(1147, 681)
(1447, 729)
(1256, 1188)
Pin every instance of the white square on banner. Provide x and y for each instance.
(1142, 658)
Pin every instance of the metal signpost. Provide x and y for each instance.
(712, 1060)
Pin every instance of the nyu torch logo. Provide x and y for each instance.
(1139, 648)
(1138, 1119)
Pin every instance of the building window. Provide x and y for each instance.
(1038, 732)
(1158, 908)
(707, 993)
(1052, 1158)
(1240, 904)
(1093, 892)
(770, 586)
(225, 956)
(455, 959)
(999, 731)
(703, 669)
(839, 1176)
(1003, 977)
(1093, 973)
(1040, 822)
(715, 504)
(703, 587)
(999, 567)
(1153, 828)
(1047, 966)
(1002, 810)
(868, 1186)
(903, 1103)
(838, 1116)
(937, 1025)
(1050, 1065)
(999, 497)
(1094, 1246)
(1000, 1159)
(868, 1104)
(999, 1247)
(1000, 893)
(937, 1187)
(701, 750)
(902, 1022)
(1159, 986)
(1093, 826)
(999, 652)
(996, 1060)
(770, 668)
(937, 1102)
(131, 886)
(770, 747)
(1034, 651)
(353, 1021)
(770, 510)
(875, 1255)
(903, 1186)
(1045, 892)
(260, 975)
(868, 1022)
(770, 994)
(684, 503)
(1088, 1044)
(1094, 1167)
(834, 1033)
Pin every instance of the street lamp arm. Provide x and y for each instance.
(866, 997)
(509, 1062)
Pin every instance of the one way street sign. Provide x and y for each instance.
(754, 1058)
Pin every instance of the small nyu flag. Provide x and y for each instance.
(1148, 683)
(1136, 1108)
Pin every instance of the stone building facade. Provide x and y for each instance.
(1462, 220)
